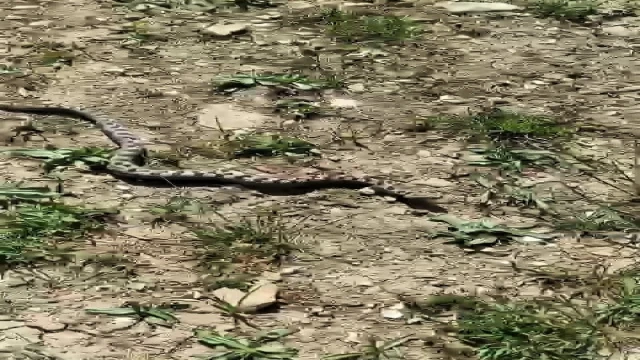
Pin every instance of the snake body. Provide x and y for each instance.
(126, 164)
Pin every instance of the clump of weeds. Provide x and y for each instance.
(9, 70)
(527, 330)
(57, 58)
(264, 345)
(485, 232)
(514, 160)
(603, 219)
(350, 27)
(58, 159)
(170, 158)
(30, 231)
(375, 349)
(294, 81)
(508, 192)
(138, 33)
(14, 193)
(264, 237)
(559, 328)
(152, 315)
(502, 126)
(256, 144)
(177, 210)
(241, 282)
(243, 145)
(577, 11)
(249, 145)
(169, 5)
(298, 108)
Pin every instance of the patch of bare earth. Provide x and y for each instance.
(356, 255)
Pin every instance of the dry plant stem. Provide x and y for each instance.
(621, 172)
(600, 179)
(636, 166)
(616, 91)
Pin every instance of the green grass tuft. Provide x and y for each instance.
(349, 27)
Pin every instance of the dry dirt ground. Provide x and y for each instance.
(359, 255)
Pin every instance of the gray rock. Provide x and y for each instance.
(225, 30)
(341, 103)
(467, 7)
(436, 182)
(25, 7)
(622, 31)
(115, 71)
(261, 295)
(391, 314)
(357, 88)
(41, 23)
(367, 191)
(230, 117)
(300, 5)
(4, 325)
(355, 6)
(46, 322)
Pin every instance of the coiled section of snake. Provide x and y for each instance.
(126, 164)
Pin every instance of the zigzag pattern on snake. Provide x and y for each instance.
(126, 164)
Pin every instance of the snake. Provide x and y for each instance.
(127, 164)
